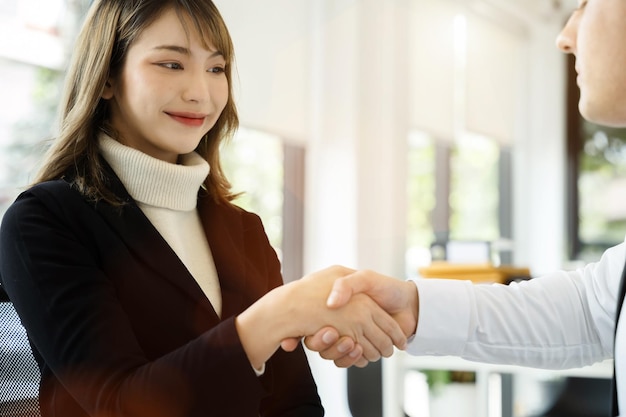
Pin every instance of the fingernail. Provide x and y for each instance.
(343, 347)
(354, 354)
(328, 337)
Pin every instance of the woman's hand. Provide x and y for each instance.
(300, 309)
(399, 298)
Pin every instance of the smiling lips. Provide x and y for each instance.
(189, 119)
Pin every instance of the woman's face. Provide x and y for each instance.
(170, 91)
(596, 35)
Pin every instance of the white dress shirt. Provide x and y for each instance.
(557, 321)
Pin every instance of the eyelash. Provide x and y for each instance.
(171, 65)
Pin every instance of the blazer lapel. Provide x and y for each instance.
(146, 243)
(224, 233)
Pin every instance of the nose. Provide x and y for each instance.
(566, 40)
(197, 88)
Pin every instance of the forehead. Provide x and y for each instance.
(169, 26)
(172, 27)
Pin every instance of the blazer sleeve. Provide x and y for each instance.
(287, 376)
(91, 360)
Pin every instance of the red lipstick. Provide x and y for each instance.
(189, 119)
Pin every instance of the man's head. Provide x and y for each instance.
(596, 35)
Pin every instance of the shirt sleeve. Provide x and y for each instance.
(443, 317)
(559, 320)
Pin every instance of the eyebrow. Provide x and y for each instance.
(182, 50)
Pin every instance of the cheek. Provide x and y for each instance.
(220, 93)
(129, 90)
(144, 84)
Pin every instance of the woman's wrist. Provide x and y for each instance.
(263, 325)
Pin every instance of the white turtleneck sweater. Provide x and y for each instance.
(167, 194)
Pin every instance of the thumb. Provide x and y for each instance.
(344, 288)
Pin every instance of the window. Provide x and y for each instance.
(34, 91)
(596, 182)
(269, 174)
(455, 192)
(253, 162)
(421, 194)
(474, 188)
(459, 168)
(35, 35)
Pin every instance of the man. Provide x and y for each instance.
(561, 320)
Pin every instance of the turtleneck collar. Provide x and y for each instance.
(152, 181)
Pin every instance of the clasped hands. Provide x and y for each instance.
(364, 316)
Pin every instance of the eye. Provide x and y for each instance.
(216, 70)
(171, 65)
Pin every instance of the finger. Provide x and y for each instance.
(322, 340)
(382, 332)
(289, 345)
(361, 363)
(391, 329)
(340, 293)
(369, 326)
(329, 345)
(344, 288)
(353, 357)
(370, 351)
(344, 347)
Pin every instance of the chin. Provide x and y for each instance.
(609, 111)
(188, 148)
(602, 115)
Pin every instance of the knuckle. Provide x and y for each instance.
(326, 355)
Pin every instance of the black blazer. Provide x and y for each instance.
(118, 325)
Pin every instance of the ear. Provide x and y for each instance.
(107, 93)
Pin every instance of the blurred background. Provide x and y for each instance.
(372, 133)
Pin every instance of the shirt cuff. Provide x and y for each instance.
(444, 317)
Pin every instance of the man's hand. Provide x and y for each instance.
(365, 328)
(399, 298)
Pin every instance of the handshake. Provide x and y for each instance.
(350, 317)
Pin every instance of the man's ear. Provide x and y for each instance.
(107, 93)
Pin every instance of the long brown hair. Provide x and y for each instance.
(110, 28)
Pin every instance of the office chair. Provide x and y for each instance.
(19, 373)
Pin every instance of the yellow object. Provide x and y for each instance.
(479, 273)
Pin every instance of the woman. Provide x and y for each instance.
(143, 289)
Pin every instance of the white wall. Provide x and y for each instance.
(332, 74)
(273, 58)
